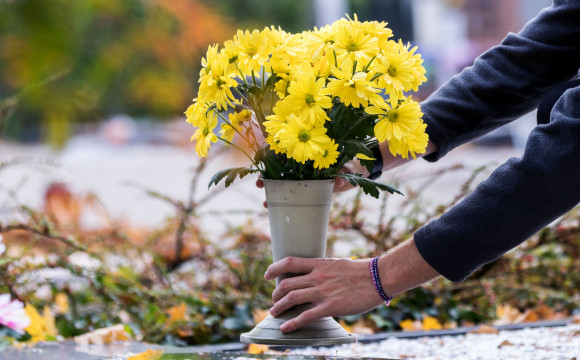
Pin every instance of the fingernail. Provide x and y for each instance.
(272, 312)
(284, 327)
(266, 275)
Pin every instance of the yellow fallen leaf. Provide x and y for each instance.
(61, 302)
(257, 349)
(506, 314)
(176, 313)
(147, 355)
(410, 325)
(362, 327)
(345, 326)
(484, 329)
(41, 327)
(259, 315)
(430, 323)
(104, 336)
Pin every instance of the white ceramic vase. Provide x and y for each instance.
(299, 213)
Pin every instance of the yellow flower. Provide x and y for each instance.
(318, 41)
(302, 142)
(206, 62)
(274, 123)
(397, 67)
(414, 143)
(328, 157)
(204, 135)
(377, 29)
(216, 86)
(352, 89)
(362, 156)
(307, 100)
(254, 50)
(396, 120)
(196, 113)
(228, 131)
(350, 41)
(286, 48)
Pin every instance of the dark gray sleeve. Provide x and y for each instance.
(524, 194)
(507, 81)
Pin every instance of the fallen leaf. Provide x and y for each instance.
(362, 327)
(41, 327)
(147, 355)
(345, 326)
(257, 349)
(176, 313)
(430, 323)
(484, 329)
(61, 302)
(104, 336)
(411, 325)
(259, 315)
(506, 314)
(504, 343)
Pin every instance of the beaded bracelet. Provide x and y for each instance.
(373, 266)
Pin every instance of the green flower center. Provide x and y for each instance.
(252, 50)
(393, 116)
(325, 153)
(220, 81)
(309, 99)
(352, 47)
(205, 132)
(392, 71)
(304, 136)
(233, 59)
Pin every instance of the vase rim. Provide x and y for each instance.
(322, 181)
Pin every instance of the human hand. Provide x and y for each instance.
(336, 287)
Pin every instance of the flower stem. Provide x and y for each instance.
(242, 150)
(236, 130)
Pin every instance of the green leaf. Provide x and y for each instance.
(367, 185)
(274, 166)
(342, 119)
(230, 175)
(353, 147)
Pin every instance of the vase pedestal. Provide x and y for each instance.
(299, 213)
(322, 332)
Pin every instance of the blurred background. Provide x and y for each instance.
(104, 205)
(100, 86)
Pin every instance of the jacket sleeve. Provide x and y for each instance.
(507, 81)
(524, 194)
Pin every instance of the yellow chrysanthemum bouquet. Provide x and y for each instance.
(306, 104)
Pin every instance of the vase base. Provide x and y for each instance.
(323, 332)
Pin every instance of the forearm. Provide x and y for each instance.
(403, 268)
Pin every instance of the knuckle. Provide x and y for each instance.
(292, 296)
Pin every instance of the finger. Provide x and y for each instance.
(295, 297)
(290, 264)
(341, 184)
(289, 284)
(306, 317)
